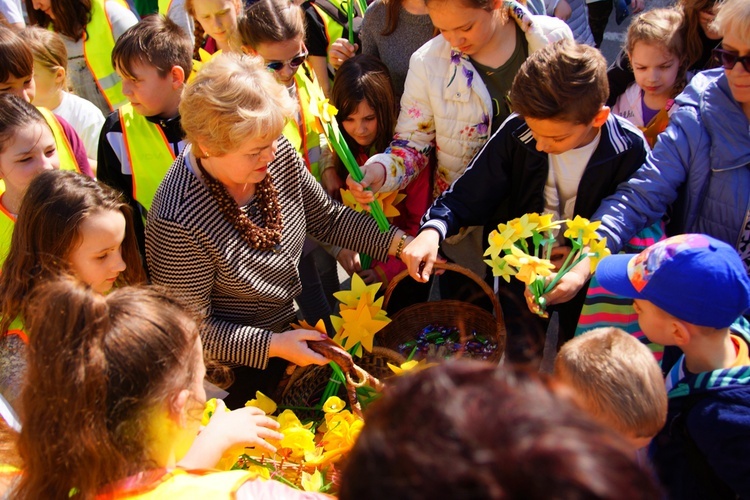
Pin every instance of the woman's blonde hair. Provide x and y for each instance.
(733, 16)
(48, 48)
(233, 98)
(662, 27)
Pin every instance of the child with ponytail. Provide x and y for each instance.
(114, 401)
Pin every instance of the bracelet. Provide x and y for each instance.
(400, 246)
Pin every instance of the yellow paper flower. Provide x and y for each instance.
(523, 227)
(412, 366)
(319, 457)
(387, 201)
(500, 268)
(209, 411)
(529, 267)
(580, 226)
(359, 325)
(323, 110)
(350, 299)
(544, 222)
(263, 402)
(334, 404)
(597, 251)
(500, 241)
(304, 325)
(343, 430)
(259, 471)
(297, 440)
(312, 482)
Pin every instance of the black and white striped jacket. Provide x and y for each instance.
(245, 294)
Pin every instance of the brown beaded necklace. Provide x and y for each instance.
(260, 238)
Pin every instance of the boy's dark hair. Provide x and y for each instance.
(562, 81)
(16, 59)
(157, 41)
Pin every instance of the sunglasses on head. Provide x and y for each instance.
(294, 63)
(729, 59)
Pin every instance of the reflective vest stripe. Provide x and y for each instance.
(164, 6)
(98, 43)
(64, 149)
(149, 153)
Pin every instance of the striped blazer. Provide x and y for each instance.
(245, 294)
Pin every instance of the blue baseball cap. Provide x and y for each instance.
(693, 277)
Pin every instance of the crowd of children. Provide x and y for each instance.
(169, 190)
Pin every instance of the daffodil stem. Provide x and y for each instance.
(365, 261)
(350, 15)
(412, 353)
(565, 268)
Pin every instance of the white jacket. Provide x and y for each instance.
(628, 105)
(447, 107)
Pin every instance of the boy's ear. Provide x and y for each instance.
(177, 74)
(601, 117)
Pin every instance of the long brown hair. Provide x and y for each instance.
(97, 366)
(71, 17)
(16, 59)
(52, 211)
(692, 27)
(270, 21)
(364, 78)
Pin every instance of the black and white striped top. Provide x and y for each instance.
(245, 294)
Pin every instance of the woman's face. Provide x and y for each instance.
(45, 6)
(248, 164)
(465, 28)
(97, 258)
(738, 77)
(282, 52)
(362, 124)
(217, 17)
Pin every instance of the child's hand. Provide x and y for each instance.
(374, 177)
(340, 51)
(246, 427)
(565, 289)
(349, 260)
(369, 276)
(420, 255)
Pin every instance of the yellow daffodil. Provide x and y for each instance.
(412, 366)
(334, 404)
(304, 325)
(350, 299)
(500, 241)
(263, 402)
(387, 201)
(523, 227)
(259, 471)
(319, 457)
(209, 411)
(359, 325)
(544, 222)
(230, 457)
(529, 267)
(343, 430)
(323, 110)
(500, 268)
(597, 251)
(287, 420)
(312, 482)
(582, 227)
(297, 440)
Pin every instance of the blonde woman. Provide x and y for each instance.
(228, 222)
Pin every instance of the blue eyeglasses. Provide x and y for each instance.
(294, 63)
(729, 59)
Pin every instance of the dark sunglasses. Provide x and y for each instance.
(294, 63)
(728, 59)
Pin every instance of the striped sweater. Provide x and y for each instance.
(245, 294)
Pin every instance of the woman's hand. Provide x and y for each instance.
(374, 177)
(292, 346)
(349, 260)
(420, 254)
(565, 289)
(246, 427)
(369, 276)
(332, 183)
(340, 51)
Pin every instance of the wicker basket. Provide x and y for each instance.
(406, 324)
(307, 383)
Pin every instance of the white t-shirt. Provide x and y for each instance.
(565, 172)
(85, 118)
(12, 11)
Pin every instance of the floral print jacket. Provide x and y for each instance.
(447, 108)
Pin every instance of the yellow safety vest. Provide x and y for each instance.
(181, 484)
(64, 150)
(305, 136)
(98, 43)
(149, 152)
(335, 27)
(7, 224)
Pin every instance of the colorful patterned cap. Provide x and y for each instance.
(693, 277)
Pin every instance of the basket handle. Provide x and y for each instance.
(449, 266)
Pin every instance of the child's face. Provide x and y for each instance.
(464, 28)
(45, 6)
(218, 18)
(47, 83)
(31, 151)
(738, 77)
(97, 257)
(362, 125)
(654, 322)
(282, 52)
(149, 93)
(655, 69)
(558, 136)
(23, 87)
